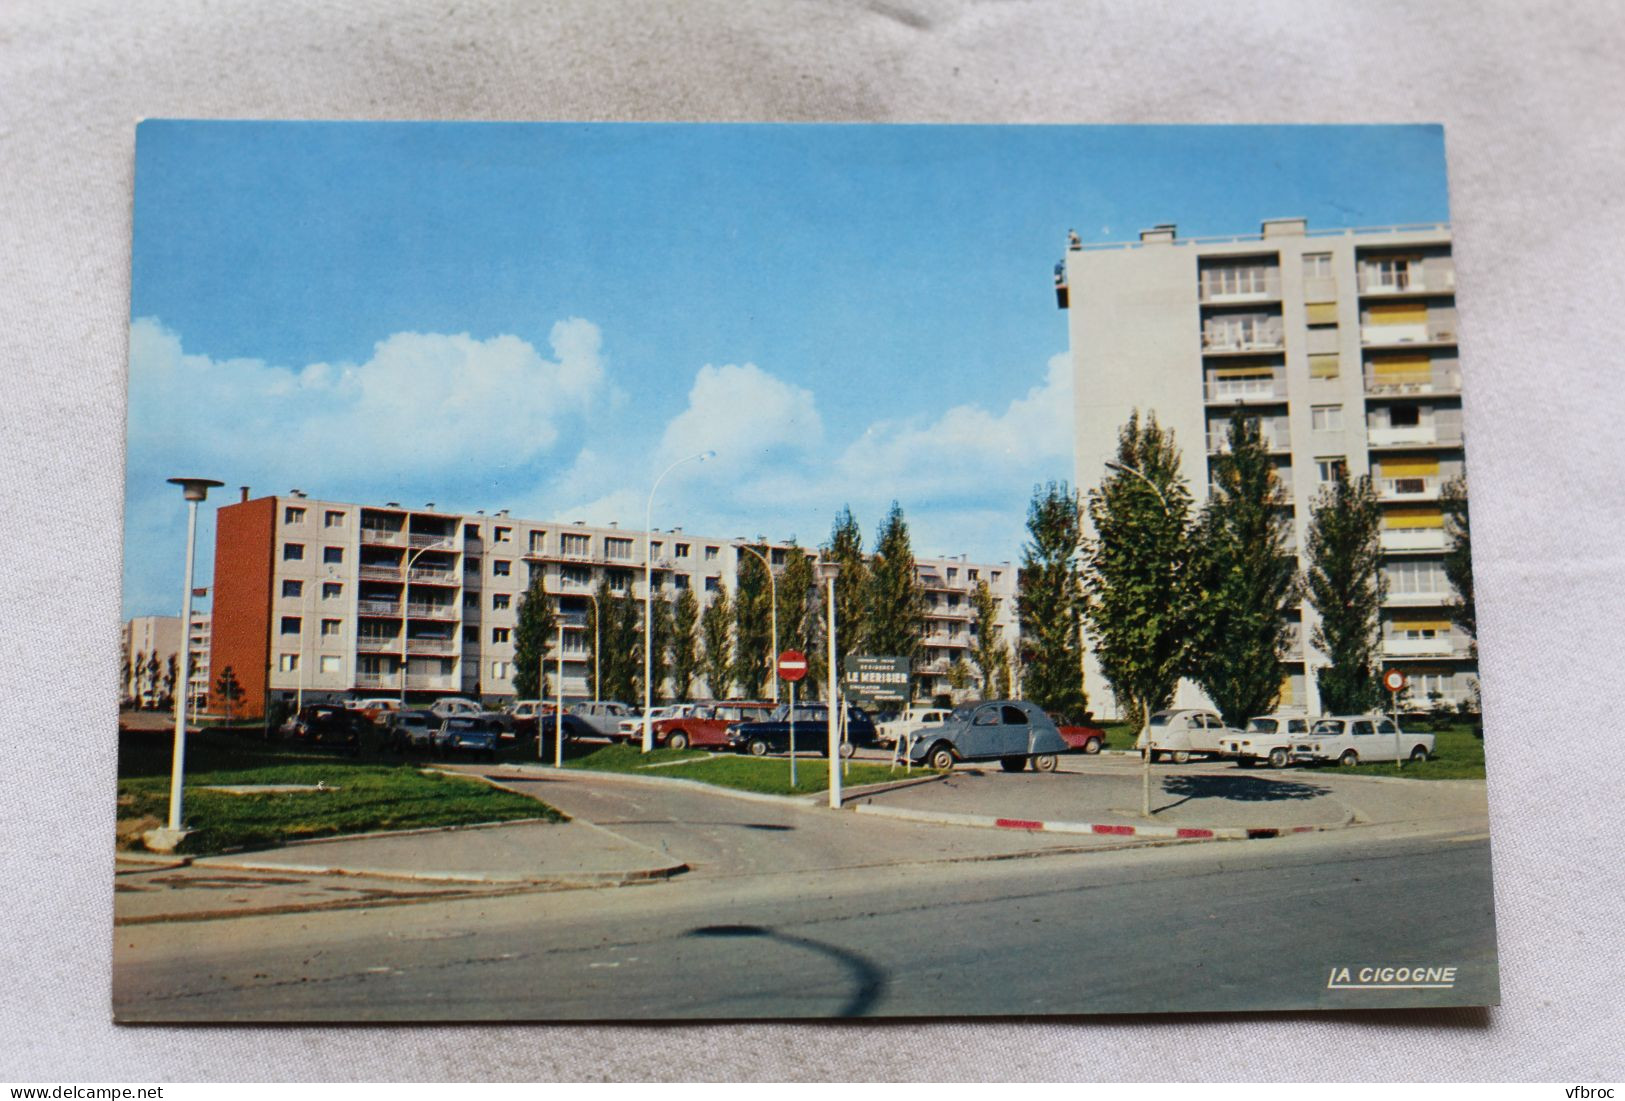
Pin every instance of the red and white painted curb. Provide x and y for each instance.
(1106, 829)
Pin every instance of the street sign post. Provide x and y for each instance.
(792, 667)
(1394, 681)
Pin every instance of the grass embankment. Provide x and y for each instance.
(368, 794)
(1457, 755)
(770, 775)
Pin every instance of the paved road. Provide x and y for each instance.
(1245, 925)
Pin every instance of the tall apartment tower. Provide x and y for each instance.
(1341, 344)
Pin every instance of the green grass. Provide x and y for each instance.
(1457, 755)
(372, 795)
(770, 775)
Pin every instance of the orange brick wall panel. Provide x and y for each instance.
(244, 546)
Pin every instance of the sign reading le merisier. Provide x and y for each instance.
(871, 679)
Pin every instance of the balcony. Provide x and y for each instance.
(1244, 392)
(1254, 287)
(444, 682)
(385, 608)
(432, 611)
(1421, 382)
(1413, 539)
(1447, 646)
(378, 644)
(1407, 283)
(430, 576)
(431, 646)
(1408, 489)
(433, 542)
(391, 537)
(377, 680)
(380, 572)
(1218, 442)
(1414, 435)
(1238, 342)
(1435, 599)
(1407, 336)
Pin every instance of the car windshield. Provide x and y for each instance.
(1263, 726)
(1161, 718)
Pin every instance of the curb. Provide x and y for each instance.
(544, 772)
(1106, 829)
(519, 879)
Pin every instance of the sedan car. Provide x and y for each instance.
(908, 724)
(1179, 732)
(322, 724)
(603, 716)
(1267, 738)
(1350, 739)
(1080, 736)
(706, 726)
(1012, 732)
(409, 730)
(469, 734)
(772, 735)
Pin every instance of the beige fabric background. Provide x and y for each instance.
(1530, 95)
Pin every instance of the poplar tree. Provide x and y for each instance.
(988, 651)
(1458, 557)
(753, 631)
(1346, 587)
(1049, 602)
(845, 549)
(895, 608)
(533, 637)
(716, 628)
(685, 644)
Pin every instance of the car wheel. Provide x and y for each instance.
(1092, 746)
(941, 758)
(847, 749)
(1180, 756)
(1013, 764)
(1349, 759)
(758, 748)
(1420, 753)
(1279, 758)
(1046, 762)
(678, 741)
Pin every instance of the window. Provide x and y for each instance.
(332, 628)
(953, 574)
(1328, 471)
(332, 663)
(1324, 365)
(1389, 273)
(1362, 726)
(1326, 418)
(1404, 416)
(293, 552)
(291, 625)
(619, 550)
(711, 584)
(682, 550)
(333, 518)
(710, 554)
(1242, 382)
(655, 548)
(471, 634)
(293, 514)
(288, 663)
(538, 540)
(995, 577)
(332, 590)
(576, 575)
(499, 670)
(293, 588)
(471, 600)
(1251, 277)
(471, 531)
(1407, 577)
(1317, 265)
(1321, 313)
(971, 575)
(332, 556)
(680, 581)
(501, 567)
(571, 543)
(499, 601)
(499, 634)
(503, 535)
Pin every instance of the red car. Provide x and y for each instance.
(707, 727)
(1079, 736)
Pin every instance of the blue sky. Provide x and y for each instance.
(540, 317)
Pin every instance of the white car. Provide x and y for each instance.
(633, 727)
(909, 722)
(1351, 739)
(449, 706)
(1267, 738)
(1180, 732)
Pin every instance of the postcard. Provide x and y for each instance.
(666, 572)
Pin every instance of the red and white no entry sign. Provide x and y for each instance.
(1393, 680)
(792, 665)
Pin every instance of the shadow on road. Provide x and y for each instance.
(1240, 789)
(871, 980)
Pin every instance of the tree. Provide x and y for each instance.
(1049, 602)
(801, 619)
(1248, 580)
(660, 627)
(1138, 593)
(988, 650)
(534, 634)
(895, 609)
(1346, 587)
(227, 687)
(1458, 557)
(685, 644)
(126, 668)
(1003, 688)
(619, 638)
(959, 675)
(753, 624)
(845, 549)
(716, 628)
(171, 669)
(152, 668)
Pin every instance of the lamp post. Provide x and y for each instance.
(827, 572)
(193, 490)
(773, 599)
(649, 592)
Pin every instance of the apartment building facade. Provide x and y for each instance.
(159, 636)
(1341, 344)
(328, 598)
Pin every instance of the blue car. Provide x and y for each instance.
(469, 734)
(1011, 732)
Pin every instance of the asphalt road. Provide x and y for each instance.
(1245, 925)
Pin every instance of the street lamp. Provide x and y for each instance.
(649, 592)
(773, 600)
(827, 572)
(193, 490)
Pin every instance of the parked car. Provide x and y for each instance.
(1350, 739)
(1080, 736)
(1180, 732)
(447, 706)
(906, 724)
(1267, 738)
(603, 717)
(469, 734)
(772, 734)
(1012, 732)
(631, 729)
(325, 724)
(377, 708)
(706, 725)
(412, 730)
